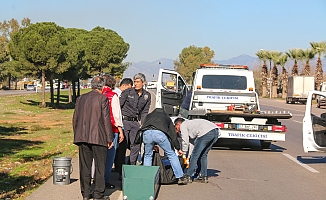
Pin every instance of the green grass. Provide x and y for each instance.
(30, 136)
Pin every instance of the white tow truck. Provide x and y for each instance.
(225, 95)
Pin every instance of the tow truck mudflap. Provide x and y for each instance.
(252, 135)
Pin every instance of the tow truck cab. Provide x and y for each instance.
(224, 87)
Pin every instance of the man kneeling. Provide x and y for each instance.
(158, 128)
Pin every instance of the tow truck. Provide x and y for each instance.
(225, 95)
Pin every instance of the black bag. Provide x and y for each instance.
(166, 172)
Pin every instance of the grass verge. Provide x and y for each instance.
(30, 136)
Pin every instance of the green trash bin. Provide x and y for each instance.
(140, 182)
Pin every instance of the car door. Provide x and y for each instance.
(170, 92)
(314, 125)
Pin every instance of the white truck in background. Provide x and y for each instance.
(298, 88)
(225, 95)
(321, 100)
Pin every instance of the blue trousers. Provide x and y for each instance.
(155, 136)
(110, 158)
(199, 154)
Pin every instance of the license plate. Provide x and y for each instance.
(247, 127)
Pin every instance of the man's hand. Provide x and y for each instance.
(180, 152)
(155, 148)
(121, 137)
(110, 145)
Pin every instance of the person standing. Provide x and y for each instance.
(184, 108)
(116, 123)
(203, 134)
(120, 156)
(93, 136)
(158, 128)
(125, 83)
(135, 103)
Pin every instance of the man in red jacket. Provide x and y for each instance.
(93, 135)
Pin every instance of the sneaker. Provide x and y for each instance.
(204, 179)
(184, 180)
(198, 178)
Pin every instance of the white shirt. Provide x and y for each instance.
(117, 90)
(116, 111)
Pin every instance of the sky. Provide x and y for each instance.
(158, 29)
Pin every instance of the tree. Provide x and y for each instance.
(319, 48)
(284, 77)
(41, 45)
(307, 55)
(262, 56)
(294, 54)
(73, 66)
(105, 51)
(275, 56)
(7, 29)
(190, 58)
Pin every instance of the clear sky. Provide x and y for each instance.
(162, 28)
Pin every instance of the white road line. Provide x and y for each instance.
(301, 164)
(297, 121)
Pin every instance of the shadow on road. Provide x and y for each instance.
(311, 159)
(244, 145)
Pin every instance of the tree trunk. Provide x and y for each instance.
(78, 91)
(43, 88)
(58, 94)
(74, 91)
(69, 94)
(51, 92)
(264, 80)
(295, 69)
(274, 91)
(318, 74)
(9, 81)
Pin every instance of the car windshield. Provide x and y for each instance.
(224, 82)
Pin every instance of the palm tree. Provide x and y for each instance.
(284, 77)
(307, 55)
(294, 54)
(319, 48)
(274, 55)
(262, 56)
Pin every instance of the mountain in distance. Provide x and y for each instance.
(151, 69)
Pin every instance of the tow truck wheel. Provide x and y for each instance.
(265, 144)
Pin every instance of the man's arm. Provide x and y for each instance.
(145, 111)
(75, 116)
(173, 136)
(185, 139)
(106, 120)
(123, 97)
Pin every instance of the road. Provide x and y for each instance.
(239, 169)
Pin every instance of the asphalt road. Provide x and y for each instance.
(239, 169)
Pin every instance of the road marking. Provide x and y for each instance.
(301, 164)
(297, 121)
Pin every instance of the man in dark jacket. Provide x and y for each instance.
(93, 135)
(158, 128)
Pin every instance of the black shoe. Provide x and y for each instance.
(198, 178)
(204, 179)
(109, 186)
(104, 197)
(89, 197)
(184, 180)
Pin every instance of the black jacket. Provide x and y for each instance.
(159, 120)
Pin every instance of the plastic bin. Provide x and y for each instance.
(62, 169)
(140, 182)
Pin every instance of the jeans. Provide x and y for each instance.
(110, 158)
(199, 155)
(155, 136)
